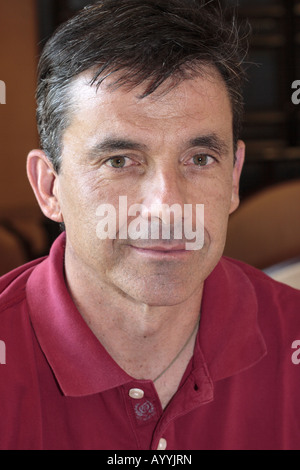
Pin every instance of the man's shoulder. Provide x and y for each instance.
(263, 284)
(13, 285)
(274, 299)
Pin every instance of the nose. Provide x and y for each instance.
(164, 196)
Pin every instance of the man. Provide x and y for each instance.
(137, 342)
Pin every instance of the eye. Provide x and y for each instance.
(117, 162)
(202, 159)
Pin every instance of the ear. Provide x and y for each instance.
(237, 170)
(44, 182)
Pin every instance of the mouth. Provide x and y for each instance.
(161, 251)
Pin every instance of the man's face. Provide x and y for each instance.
(171, 147)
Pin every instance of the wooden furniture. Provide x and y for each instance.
(265, 230)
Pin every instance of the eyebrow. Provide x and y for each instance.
(111, 144)
(211, 141)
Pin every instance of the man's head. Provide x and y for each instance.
(140, 99)
(144, 41)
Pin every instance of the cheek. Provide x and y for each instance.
(216, 210)
(80, 195)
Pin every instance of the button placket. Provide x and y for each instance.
(143, 403)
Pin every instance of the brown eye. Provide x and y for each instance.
(117, 162)
(201, 159)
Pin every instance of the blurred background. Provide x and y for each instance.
(265, 231)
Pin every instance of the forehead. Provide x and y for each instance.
(201, 101)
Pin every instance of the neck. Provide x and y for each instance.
(141, 338)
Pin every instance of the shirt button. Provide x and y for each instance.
(136, 393)
(162, 445)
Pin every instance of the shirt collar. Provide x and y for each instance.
(80, 363)
(229, 336)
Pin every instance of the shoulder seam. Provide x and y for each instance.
(16, 300)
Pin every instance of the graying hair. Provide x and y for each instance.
(147, 41)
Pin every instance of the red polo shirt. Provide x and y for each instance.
(60, 389)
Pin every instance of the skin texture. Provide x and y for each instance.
(142, 298)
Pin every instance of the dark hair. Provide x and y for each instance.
(148, 41)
